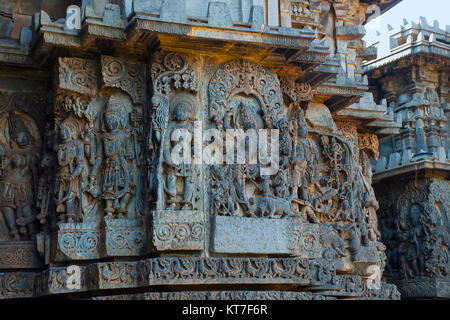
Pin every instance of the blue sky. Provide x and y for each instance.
(411, 10)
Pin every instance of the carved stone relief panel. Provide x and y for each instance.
(174, 175)
(22, 116)
(414, 226)
(100, 122)
(319, 181)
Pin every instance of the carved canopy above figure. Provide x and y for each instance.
(244, 77)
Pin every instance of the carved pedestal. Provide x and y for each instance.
(79, 241)
(233, 235)
(125, 237)
(178, 230)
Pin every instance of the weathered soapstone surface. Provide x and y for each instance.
(412, 172)
(179, 230)
(266, 236)
(88, 180)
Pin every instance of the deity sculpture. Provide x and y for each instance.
(303, 160)
(415, 252)
(18, 179)
(118, 187)
(72, 173)
(183, 110)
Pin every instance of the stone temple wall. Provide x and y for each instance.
(412, 173)
(93, 200)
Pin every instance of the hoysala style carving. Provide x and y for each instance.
(94, 122)
(116, 153)
(171, 71)
(244, 77)
(125, 75)
(321, 178)
(175, 185)
(411, 174)
(99, 155)
(19, 151)
(183, 110)
(416, 235)
(72, 176)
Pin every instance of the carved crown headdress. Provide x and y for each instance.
(74, 129)
(114, 107)
(17, 125)
(247, 116)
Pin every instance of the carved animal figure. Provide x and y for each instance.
(274, 207)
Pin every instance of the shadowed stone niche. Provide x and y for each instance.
(22, 121)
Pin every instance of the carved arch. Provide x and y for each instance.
(248, 78)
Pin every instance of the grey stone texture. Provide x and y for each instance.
(241, 235)
(411, 175)
(88, 177)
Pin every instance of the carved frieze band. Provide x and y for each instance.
(219, 295)
(19, 254)
(173, 271)
(16, 285)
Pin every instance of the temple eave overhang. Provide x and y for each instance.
(427, 167)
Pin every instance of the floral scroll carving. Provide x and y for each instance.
(171, 71)
(78, 75)
(125, 75)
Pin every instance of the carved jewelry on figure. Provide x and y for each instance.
(182, 110)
